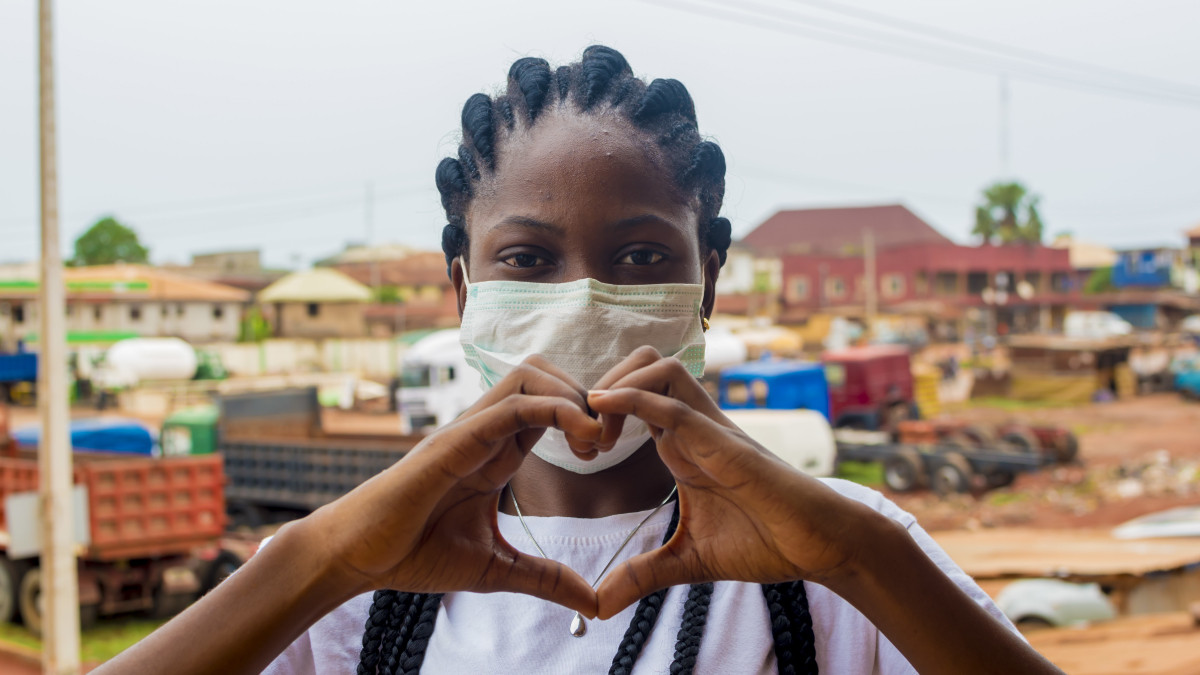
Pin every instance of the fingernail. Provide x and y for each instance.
(597, 393)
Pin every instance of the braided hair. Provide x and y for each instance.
(601, 80)
(399, 626)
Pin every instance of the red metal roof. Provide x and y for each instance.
(841, 230)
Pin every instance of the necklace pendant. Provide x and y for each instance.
(578, 625)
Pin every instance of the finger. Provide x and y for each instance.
(541, 578)
(670, 378)
(642, 575)
(537, 377)
(462, 447)
(614, 424)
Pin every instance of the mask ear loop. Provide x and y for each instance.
(462, 262)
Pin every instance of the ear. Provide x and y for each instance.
(712, 270)
(460, 287)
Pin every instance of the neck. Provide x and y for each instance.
(639, 483)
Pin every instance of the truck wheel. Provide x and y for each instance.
(998, 478)
(30, 600)
(904, 471)
(225, 565)
(953, 476)
(1023, 440)
(981, 436)
(167, 606)
(8, 589)
(1068, 450)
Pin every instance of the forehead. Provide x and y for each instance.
(572, 168)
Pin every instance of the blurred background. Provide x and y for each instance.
(965, 272)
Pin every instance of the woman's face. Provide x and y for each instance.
(583, 196)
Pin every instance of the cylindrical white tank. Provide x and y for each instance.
(802, 438)
(722, 349)
(152, 359)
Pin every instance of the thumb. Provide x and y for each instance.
(642, 575)
(542, 578)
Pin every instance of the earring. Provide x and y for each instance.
(704, 324)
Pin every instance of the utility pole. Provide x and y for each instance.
(60, 583)
(369, 216)
(869, 278)
(1003, 126)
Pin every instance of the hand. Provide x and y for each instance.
(744, 514)
(428, 523)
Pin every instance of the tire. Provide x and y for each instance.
(953, 476)
(167, 606)
(9, 578)
(998, 478)
(981, 436)
(1023, 440)
(1068, 450)
(225, 564)
(29, 598)
(904, 471)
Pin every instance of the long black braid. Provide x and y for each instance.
(602, 79)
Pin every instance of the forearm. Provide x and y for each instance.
(243, 624)
(937, 626)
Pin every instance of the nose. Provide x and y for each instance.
(580, 266)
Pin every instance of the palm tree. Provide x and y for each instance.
(999, 217)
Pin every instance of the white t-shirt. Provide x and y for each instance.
(514, 633)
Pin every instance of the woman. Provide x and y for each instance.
(584, 242)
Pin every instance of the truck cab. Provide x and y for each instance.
(870, 387)
(436, 384)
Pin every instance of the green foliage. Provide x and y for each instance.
(386, 295)
(863, 473)
(108, 242)
(109, 638)
(1100, 281)
(1009, 213)
(254, 327)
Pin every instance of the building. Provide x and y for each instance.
(240, 269)
(124, 299)
(918, 271)
(749, 283)
(414, 290)
(318, 303)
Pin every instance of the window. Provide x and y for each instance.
(976, 282)
(314, 309)
(97, 312)
(921, 283)
(797, 288)
(166, 311)
(1060, 282)
(893, 285)
(135, 312)
(835, 288)
(179, 309)
(218, 311)
(945, 284)
(18, 313)
(1034, 279)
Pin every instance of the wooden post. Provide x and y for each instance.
(869, 279)
(60, 584)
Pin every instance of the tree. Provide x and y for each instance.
(1009, 213)
(108, 242)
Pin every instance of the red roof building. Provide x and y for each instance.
(841, 230)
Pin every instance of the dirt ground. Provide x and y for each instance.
(1136, 457)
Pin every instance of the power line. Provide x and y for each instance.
(849, 35)
(982, 44)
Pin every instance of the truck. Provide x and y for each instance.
(870, 387)
(280, 462)
(148, 532)
(924, 462)
(16, 369)
(436, 384)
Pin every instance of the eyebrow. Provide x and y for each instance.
(532, 224)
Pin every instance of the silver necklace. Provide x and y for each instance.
(578, 625)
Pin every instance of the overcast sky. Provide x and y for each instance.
(220, 124)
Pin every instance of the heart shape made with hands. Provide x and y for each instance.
(745, 515)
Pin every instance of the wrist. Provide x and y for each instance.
(313, 554)
(873, 543)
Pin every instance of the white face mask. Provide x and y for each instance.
(584, 327)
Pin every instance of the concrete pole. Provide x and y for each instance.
(60, 584)
(869, 278)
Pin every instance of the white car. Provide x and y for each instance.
(1034, 603)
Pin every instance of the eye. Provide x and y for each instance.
(642, 257)
(525, 260)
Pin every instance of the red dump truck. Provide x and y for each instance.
(153, 529)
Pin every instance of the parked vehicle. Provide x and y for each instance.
(146, 519)
(1055, 443)
(775, 384)
(1187, 378)
(870, 387)
(802, 438)
(115, 435)
(436, 384)
(19, 369)
(1046, 603)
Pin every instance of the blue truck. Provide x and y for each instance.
(790, 385)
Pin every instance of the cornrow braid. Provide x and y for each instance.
(695, 616)
(602, 79)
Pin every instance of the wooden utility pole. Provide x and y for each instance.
(59, 580)
(869, 278)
